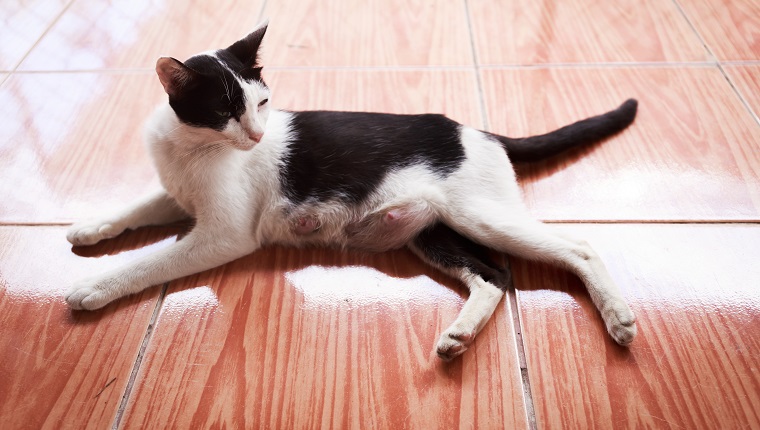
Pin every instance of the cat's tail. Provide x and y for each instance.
(581, 133)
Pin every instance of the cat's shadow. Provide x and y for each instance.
(535, 171)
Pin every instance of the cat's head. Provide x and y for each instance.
(220, 91)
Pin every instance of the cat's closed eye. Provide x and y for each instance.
(224, 114)
(263, 102)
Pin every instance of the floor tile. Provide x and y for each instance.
(23, 23)
(290, 338)
(692, 153)
(134, 33)
(64, 369)
(746, 79)
(581, 31)
(729, 29)
(367, 33)
(71, 145)
(694, 363)
(453, 93)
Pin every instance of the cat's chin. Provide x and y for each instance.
(245, 146)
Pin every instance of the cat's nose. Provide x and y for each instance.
(256, 137)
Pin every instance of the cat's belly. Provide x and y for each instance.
(390, 226)
(404, 204)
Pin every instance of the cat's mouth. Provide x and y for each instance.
(247, 144)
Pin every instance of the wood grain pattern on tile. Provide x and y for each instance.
(64, 369)
(731, 29)
(22, 24)
(367, 33)
(694, 363)
(129, 34)
(290, 338)
(72, 144)
(746, 79)
(693, 152)
(581, 31)
(453, 93)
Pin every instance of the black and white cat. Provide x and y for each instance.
(252, 175)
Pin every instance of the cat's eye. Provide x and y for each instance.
(263, 102)
(225, 114)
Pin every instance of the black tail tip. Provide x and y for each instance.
(629, 106)
(627, 111)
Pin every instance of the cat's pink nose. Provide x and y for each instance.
(256, 137)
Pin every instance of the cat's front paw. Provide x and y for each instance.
(91, 294)
(92, 232)
(453, 343)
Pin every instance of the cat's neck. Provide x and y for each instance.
(199, 162)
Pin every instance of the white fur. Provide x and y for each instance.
(234, 196)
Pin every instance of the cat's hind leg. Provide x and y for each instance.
(511, 230)
(154, 209)
(487, 281)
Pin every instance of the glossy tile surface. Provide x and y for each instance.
(694, 363)
(367, 33)
(451, 92)
(71, 144)
(693, 152)
(61, 368)
(581, 31)
(746, 79)
(731, 30)
(133, 33)
(307, 339)
(317, 338)
(22, 23)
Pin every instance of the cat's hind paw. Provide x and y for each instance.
(91, 232)
(621, 324)
(453, 343)
(87, 295)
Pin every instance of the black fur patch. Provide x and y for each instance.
(213, 91)
(446, 248)
(346, 155)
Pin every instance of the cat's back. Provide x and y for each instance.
(347, 154)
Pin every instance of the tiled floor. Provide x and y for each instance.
(325, 339)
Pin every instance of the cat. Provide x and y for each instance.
(252, 175)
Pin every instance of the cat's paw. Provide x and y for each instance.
(621, 323)
(91, 294)
(92, 232)
(453, 343)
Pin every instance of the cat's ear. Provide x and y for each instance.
(247, 49)
(175, 76)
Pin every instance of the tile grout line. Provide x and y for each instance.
(261, 12)
(739, 94)
(423, 68)
(530, 410)
(545, 221)
(42, 36)
(140, 355)
(719, 64)
(694, 29)
(473, 50)
(652, 222)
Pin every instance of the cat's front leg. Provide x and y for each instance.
(154, 209)
(201, 250)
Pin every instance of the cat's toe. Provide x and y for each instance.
(90, 233)
(86, 296)
(621, 325)
(453, 344)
